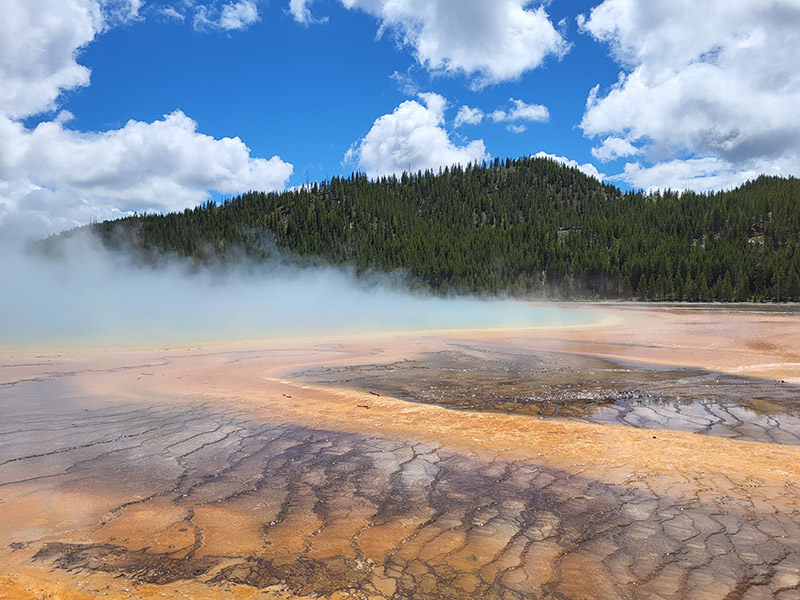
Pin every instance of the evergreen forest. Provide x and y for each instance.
(527, 227)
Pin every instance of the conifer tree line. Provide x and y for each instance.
(526, 227)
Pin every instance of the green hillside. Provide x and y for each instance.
(524, 227)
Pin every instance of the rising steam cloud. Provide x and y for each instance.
(89, 296)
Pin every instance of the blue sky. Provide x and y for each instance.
(114, 106)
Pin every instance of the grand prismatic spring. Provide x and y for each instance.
(628, 452)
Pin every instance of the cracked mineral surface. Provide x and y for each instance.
(577, 464)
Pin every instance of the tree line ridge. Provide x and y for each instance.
(524, 227)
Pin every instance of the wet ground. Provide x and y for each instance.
(142, 496)
(215, 498)
(548, 384)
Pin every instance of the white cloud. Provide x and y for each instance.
(232, 16)
(64, 116)
(41, 40)
(698, 174)
(494, 41)
(405, 83)
(612, 148)
(299, 10)
(238, 15)
(301, 13)
(713, 80)
(412, 138)
(521, 112)
(171, 13)
(38, 55)
(121, 11)
(53, 177)
(468, 115)
(587, 168)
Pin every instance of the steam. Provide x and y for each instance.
(88, 296)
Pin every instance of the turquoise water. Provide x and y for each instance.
(214, 315)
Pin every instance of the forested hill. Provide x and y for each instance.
(525, 227)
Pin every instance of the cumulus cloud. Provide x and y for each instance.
(520, 111)
(492, 41)
(715, 81)
(40, 41)
(698, 174)
(412, 138)
(238, 15)
(587, 168)
(468, 115)
(38, 56)
(612, 148)
(54, 177)
(232, 16)
(300, 11)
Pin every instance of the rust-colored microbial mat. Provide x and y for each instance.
(653, 455)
